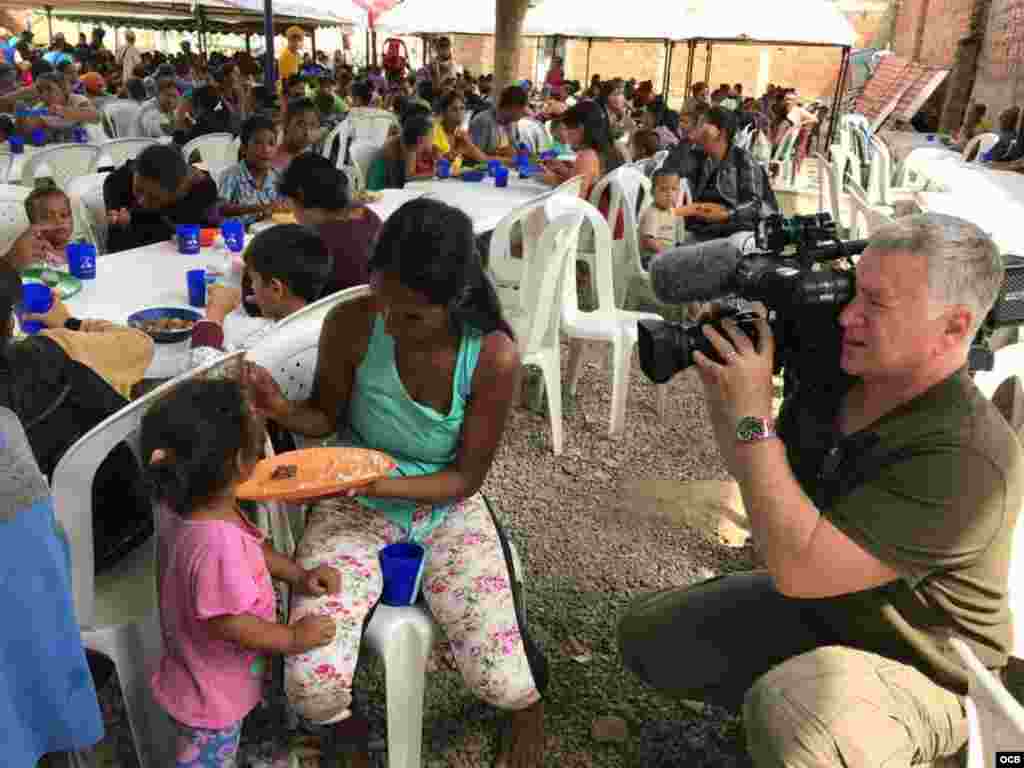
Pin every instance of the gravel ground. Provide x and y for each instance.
(585, 557)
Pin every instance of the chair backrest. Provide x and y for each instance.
(744, 137)
(6, 161)
(138, 129)
(362, 154)
(604, 269)
(572, 187)
(1009, 361)
(89, 208)
(978, 146)
(629, 194)
(828, 192)
(506, 271)
(322, 307)
(13, 219)
(121, 115)
(531, 132)
(120, 151)
(787, 143)
(863, 218)
(217, 150)
(73, 477)
(64, 161)
(372, 125)
(995, 718)
(340, 135)
(540, 297)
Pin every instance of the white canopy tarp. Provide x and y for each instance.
(339, 11)
(818, 22)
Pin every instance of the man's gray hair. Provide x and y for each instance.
(964, 264)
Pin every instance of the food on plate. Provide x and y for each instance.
(284, 472)
(366, 196)
(165, 324)
(283, 217)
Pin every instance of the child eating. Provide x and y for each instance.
(43, 243)
(249, 190)
(660, 227)
(217, 603)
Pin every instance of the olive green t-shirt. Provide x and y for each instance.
(932, 489)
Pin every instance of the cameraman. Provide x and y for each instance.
(884, 512)
(730, 191)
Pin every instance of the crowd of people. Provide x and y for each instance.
(854, 605)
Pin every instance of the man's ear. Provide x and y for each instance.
(278, 288)
(958, 325)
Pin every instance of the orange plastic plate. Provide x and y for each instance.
(319, 472)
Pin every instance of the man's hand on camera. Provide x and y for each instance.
(740, 386)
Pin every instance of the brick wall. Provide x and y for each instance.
(1000, 75)
(933, 27)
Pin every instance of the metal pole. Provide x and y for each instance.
(692, 46)
(368, 46)
(49, 21)
(590, 43)
(707, 63)
(671, 44)
(269, 76)
(843, 67)
(248, 43)
(312, 36)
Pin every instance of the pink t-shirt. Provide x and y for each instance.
(209, 568)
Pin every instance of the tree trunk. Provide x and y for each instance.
(965, 69)
(508, 38)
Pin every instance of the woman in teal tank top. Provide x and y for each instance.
(425, 370)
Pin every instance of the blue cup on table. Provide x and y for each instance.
(931, 137)
(525, 171)
(196, 279)
(492, 167)
(38, 137)
(36, 298)
(501, 177)
(401, 566)
(82, 260)
(79, 135)
(188, 238)
(233, 233)
(444, 168)
(17, 145)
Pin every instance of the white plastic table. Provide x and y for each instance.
(485, 203)
(151, 276)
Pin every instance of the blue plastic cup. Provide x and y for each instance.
(233, 233)
(38, 137)
(402, 568)
(444, 168)
(931, 137)
(188, 238)
(35, 298)
(82, 260)
(525, 171)
(196, 279)
(17, 145)
(493, 166)
(501, 177)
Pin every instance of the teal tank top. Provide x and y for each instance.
(422, 441)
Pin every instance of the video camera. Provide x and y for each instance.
(804, 291)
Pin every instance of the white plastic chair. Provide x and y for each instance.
(744, 137)
(64, 161)
(318, 310)
(121, 115)
(117, 609)
(218, 151)
(372, 125)
(785, 158)
(340, 133)
(982, 143)
(864, 218)
(402, 637)
(6, 162)
(525, 226)
(1009, 361)
(89, 209)
(995, 720)
(607, 322)
(881, 190)
(120, 151)
(13, 219)
(629, 194)
(362, 154)
(828, 192)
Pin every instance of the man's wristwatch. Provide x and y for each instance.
(753, 429)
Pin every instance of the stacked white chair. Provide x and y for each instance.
(401, 636)
(978, 146)
(117, 610)
(607, 323)
(219, 151)
(372, 125)
(121, 117)
(63, 161)
(829, 195)
(339, 135)
(864, 217)
(362, 154)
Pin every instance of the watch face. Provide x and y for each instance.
(750, 428)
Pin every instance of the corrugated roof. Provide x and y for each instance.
(924, 80)
(899, 87)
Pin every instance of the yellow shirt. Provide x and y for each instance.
(441, 138)
(288, 64)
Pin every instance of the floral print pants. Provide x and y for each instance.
(466, 584)
(207, 747)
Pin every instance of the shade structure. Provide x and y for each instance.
(788, 22)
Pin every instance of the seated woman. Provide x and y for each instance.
(148, 197)
(585, 128)
(47, 698)
(66, 110)
(249, 190)
(396, 162)
(450, 139)
(62, 382)
(319, 196)
(425, 370)
(301, 132)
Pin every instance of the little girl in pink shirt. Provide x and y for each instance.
(217, 608)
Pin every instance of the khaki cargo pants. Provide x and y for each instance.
(806, 702)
